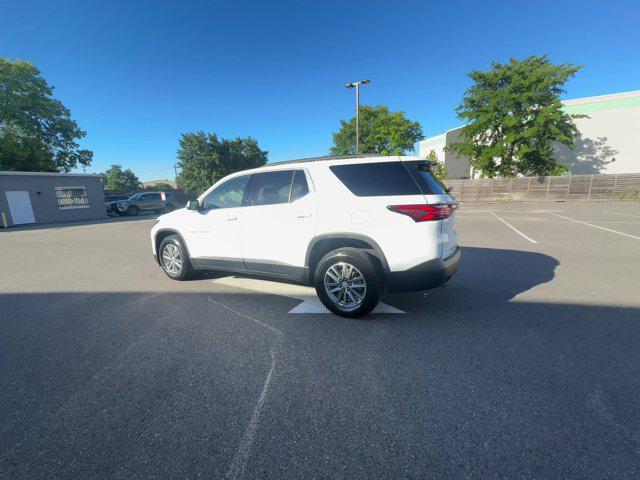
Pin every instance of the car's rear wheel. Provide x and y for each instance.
(347, 282)
(174, 259)
(133, 211)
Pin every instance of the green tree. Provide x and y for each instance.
(204, 159)
(115, 178)
(161, 187)
(440, 168)
(381, 131)
(36, 130)
(514, 115)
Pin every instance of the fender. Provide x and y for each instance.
(173, 232)
(347, 236)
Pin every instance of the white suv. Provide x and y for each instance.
(351, 226)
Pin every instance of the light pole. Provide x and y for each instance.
(357, 87)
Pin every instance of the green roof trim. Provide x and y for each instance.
(598, 106)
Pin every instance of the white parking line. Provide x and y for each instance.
(537, 220)
(597, 226)
(513, 228)
(625, 214)
(307, 295)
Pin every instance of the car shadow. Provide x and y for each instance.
(486, 276)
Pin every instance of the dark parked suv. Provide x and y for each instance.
(142, 202)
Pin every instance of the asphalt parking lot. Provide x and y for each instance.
(527, 365)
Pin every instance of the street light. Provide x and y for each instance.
(356, 85)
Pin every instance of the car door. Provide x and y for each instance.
(213, 231)
(151, 201)
(143, 201)
(278, 222)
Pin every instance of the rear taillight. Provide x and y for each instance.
(425, 213)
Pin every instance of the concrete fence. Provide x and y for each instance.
(621, 187)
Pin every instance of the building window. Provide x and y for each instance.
(72, 197)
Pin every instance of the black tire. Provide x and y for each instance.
(186, 270)
(364, 265)
(132, 211)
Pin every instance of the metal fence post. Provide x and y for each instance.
(590, 184)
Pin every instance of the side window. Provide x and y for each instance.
(154, 196)
(299, 186)
(271, 188)
(227, 195)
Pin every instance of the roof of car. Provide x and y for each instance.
(331, 160)
(320, 159)
(363, 158)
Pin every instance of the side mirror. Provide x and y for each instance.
(193, 205)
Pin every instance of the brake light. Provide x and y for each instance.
(425, 213)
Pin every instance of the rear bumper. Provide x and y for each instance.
(424, 276)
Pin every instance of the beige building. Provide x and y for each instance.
(153, 183)
(609, 139)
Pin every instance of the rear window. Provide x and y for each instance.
(425, 179)
(376, 179)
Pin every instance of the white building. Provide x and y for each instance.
(609, 139)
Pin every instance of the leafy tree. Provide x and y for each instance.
(514, 116)
(381, 131)
(440, 168)
(161, 187)
(115, 178)
(36, 130)
(204, 159)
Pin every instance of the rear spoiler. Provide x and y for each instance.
(427, 163)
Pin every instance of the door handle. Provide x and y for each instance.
(231, 218)
(304, 215)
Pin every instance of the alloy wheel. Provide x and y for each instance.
(345, 285)
(172, 259)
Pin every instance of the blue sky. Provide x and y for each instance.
(137, 74)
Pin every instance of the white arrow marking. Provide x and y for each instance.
(307, 295)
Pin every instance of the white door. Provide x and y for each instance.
(278, 223)
(20, 207)
(213, 232)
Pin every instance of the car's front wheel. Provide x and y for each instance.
(133, 211)
(174, 259)
(347, 282)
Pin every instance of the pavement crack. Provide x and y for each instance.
(241, 457)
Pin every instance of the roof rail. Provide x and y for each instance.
(319, 159)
